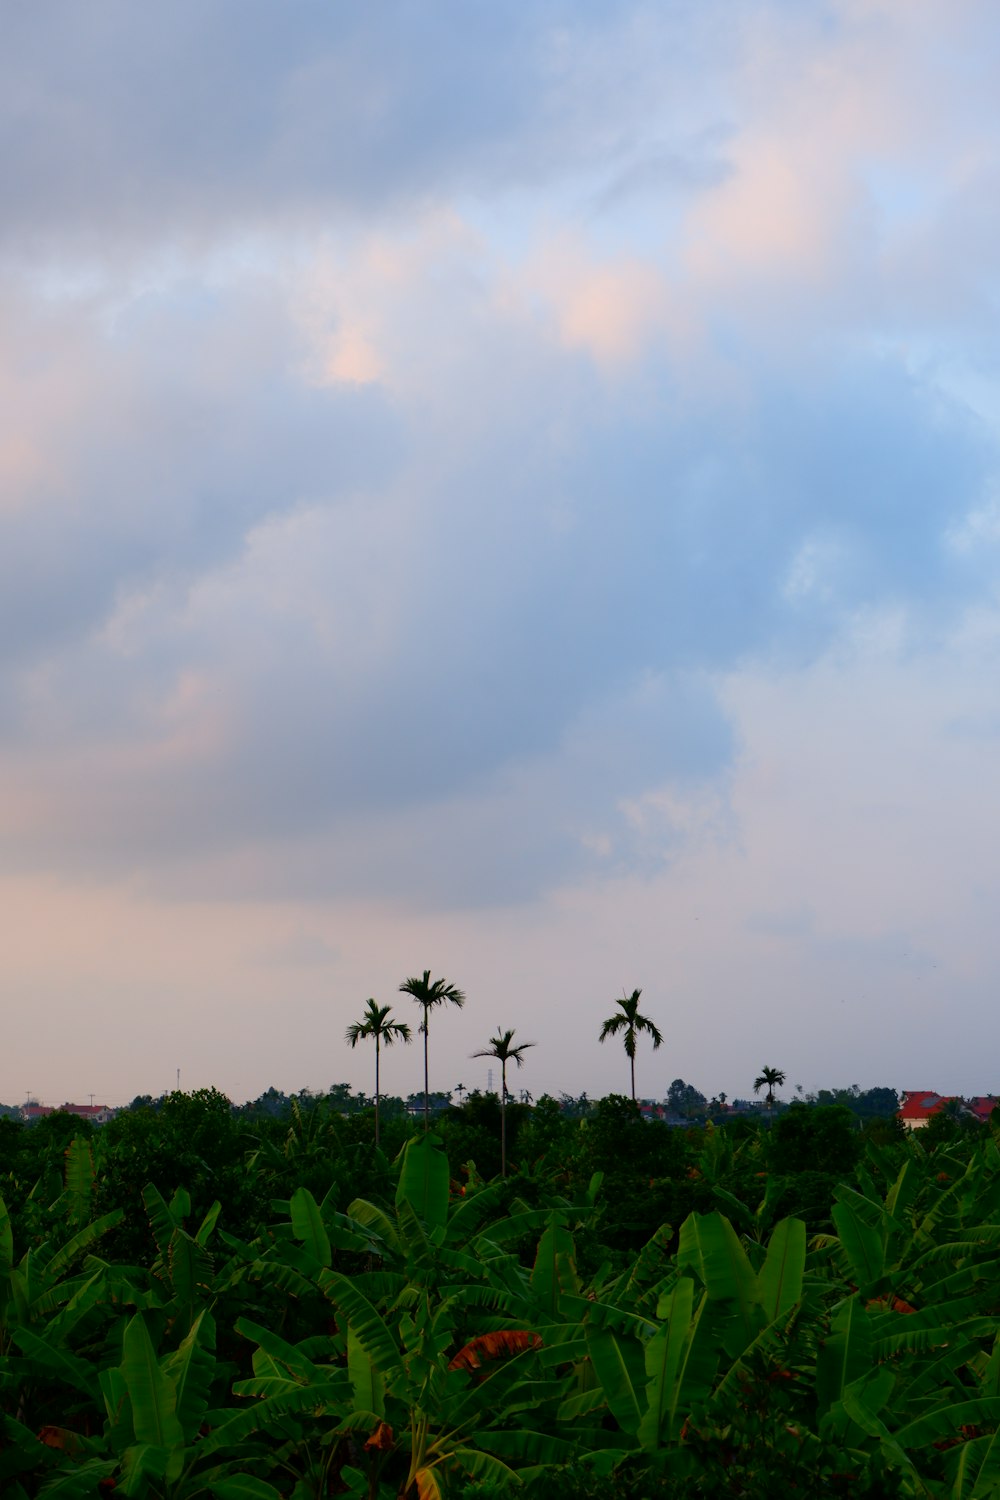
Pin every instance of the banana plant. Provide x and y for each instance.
(436, 1375)
(156, 1407)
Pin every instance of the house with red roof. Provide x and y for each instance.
(919, 1105)
(99, 1114)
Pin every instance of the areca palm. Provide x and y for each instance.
(629, 1021)
(376, 1023)
(501, 1047)
(428, 994)
(771, 1079)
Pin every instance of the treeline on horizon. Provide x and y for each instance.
(682, 1101)
(247, 1155)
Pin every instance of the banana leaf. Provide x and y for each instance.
(845, 1354)
(779, 1281)
(289, 1356)
(581, 1404)
(308, 1226)
(58, 1361)
(141, 1463)
(81, 1482)
(483, 1467)
(377, 1225)
(191, 1371)
(55, 1265)
(154, 1417)
(681, 1362)
(554, 1270)
(161, 1219)
(368, 1325)
(423, 1180)
(80, 1174)
(367, 1383)
(525, 1445)
(190, 1269)
(974, 1468)
(709, 1245)
(208, 1223)
(243, 1487)
(860, 1241)
(946, 1421)
(619, 1366)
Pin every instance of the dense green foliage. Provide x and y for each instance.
(197, 1301)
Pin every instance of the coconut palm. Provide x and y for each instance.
(770, 1079)
(629, 1021)
(376, 1023)
(428, 995)
(501, 1047)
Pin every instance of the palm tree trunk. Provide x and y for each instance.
(632, 1062)
(427, 1090)
(376, 1090)
(503, 1119)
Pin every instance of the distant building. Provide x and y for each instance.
(98, 1114)
(919, 1105)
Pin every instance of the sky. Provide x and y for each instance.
(506, 490)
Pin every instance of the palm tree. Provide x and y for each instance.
(630, 1022)
(771, 1079)
(429, 995)
(375, 1022)
(501, 1047)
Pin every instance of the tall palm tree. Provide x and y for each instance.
(428, 995)
(629, 1021)
(770, 1079)
(376, 1023)
(501, 1047)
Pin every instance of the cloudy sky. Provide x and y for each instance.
(510, 490)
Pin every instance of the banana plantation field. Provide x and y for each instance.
(440, 1334)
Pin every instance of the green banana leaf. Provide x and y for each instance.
(377, 1227)
(779, 1280)
(50, 1268)
(367, 1383)
(554, 1270)
(709, 1245)
(620, 1368)
(973, 1468)
(946, 1421)
(57, 1361)
(81, 1482)
(524, 1445)
(244, 1487)
(208, 1223)
(289, 1357)
(860, 1241)
(368, 1325)
(681, 1362)
(80, 1175)
(308, 1226)
(154, 1417)
(191, 1370)
(845, 1354)
(423, 1180)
